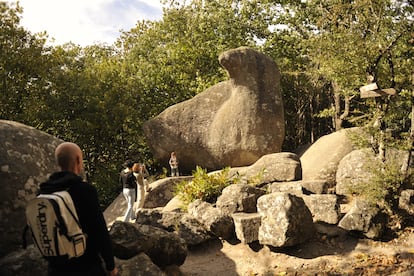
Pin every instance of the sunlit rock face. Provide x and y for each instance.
(232, 123)
(320, 161)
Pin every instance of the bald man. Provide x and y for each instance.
(69, 158)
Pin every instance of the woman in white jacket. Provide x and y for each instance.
(140, 173)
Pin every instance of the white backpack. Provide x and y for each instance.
(55, 226)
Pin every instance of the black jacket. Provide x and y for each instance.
(85, 199)
(127, 180)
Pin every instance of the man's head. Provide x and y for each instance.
(128, 164)
(69, 157)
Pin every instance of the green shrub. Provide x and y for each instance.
(388, 178)
(164, 173)
(383, 187)
(206, 187)
(257, 179)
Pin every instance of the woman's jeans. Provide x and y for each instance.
(129, 195)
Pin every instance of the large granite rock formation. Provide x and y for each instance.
(233, 123)
(26, 160)
(320, 161)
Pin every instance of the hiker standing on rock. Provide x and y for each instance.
(129, 189)
(173, 164)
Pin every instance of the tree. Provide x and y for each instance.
(172, 60)
(342, 42)
(99, 96)
(24, 64)
(90, 105)
(350, 40)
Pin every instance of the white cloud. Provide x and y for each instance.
(86, 22)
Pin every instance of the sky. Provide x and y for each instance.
(86, 22)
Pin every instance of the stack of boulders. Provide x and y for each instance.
(240, 125)
(281, 210)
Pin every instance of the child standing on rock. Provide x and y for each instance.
(174, 164)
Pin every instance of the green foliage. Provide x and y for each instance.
(204, 186)
(106, 183)
(164, 173)
(24, 66)
(344, 41)
(361, 139)
(208, 186)
(100, 96)
(383, 187)
(256, 179)
(303, 98)
(356, 38)
(174, 59)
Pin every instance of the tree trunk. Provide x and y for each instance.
(337, 101)
(339, 118)
(378, 144)
(406, 164)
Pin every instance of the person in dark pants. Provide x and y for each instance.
(69, 158)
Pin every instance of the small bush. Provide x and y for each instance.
(388, 178)
(383, 190)
(257, 179)
(206, 187)
(383, 187)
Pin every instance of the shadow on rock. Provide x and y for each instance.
(320, 246)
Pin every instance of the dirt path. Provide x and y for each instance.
(344, 255)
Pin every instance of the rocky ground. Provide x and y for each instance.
(341, 255)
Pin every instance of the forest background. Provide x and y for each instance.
(100, 95)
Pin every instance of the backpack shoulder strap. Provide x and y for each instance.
(56, 201)
(69, 205)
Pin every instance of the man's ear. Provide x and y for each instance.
(79, 161)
